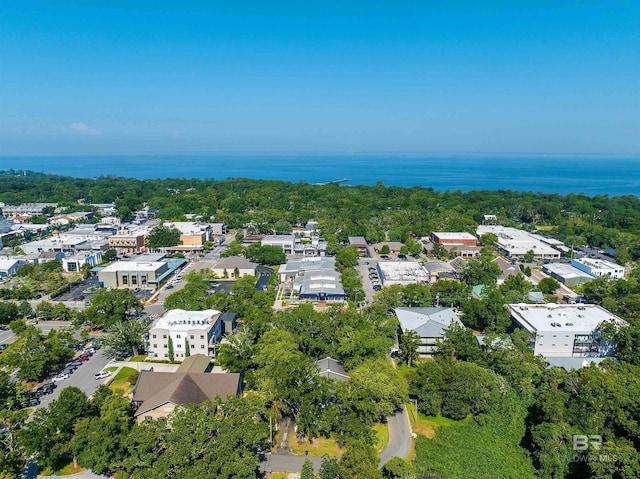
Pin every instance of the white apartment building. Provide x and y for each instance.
(198, 332)
(286, 242)
(566, 330)
(599, 267)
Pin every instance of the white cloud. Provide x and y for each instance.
(83, 129)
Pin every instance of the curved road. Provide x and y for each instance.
(399, 436)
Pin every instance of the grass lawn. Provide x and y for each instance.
(279, 475)
(427, 425)
(318, 447)
(65, 471)
(382, 436)
(404, 370)
(120, 381)
(138, 359)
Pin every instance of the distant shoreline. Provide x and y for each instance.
(547, 174)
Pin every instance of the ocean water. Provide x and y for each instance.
(549, 174)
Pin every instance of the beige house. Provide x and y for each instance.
(127, 242)
(157, 394)
(235, 266)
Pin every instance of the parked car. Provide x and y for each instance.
(80, 298)
(34, 401)
(169, 286)
(3, 346)
(102, 375)
(47, 388)
(76, 363)
(61, 377)
(84, 357)
(90, 350)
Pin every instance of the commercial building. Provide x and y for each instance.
(286, 242)
(430, 324)
(75, 262)
(295, 267)
(68, 244)
(192, 234)
(9, 266)
(402, 272)
(314, 278)
(516, 243)
(566, 330)
(453, 239)
(235, 267)
(219, 229)
(140, 273)
(360, 243)
(567, 274)
(599, 267)
(26, 209)
(129, 240)
(440, 270)
(198, 332)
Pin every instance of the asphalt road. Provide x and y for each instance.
(399, 437)
(45, 326)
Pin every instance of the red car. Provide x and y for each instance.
(84, 357)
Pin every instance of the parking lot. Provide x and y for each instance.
(83, 378)
(81, 292)
(364, 268)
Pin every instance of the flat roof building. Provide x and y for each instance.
(135, 274)
(567, 274)
(599, 267)
(446, 238)
(402, 272)
(286, 242)
(517, 243)
(565, 330)
(234, 266)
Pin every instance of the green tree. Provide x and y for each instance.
(111, 306)
(529, 256)
(359, 461)
(489, 239)
(481, 270)
(187, 349)
(408, 343)
(548, 285)
(329, 468)
(162, 236)
(385, 249)
(397, 468)
(348, 257)
(170, 348)
(24, 309)
(109, 255)
(307, 470)
(125, 336)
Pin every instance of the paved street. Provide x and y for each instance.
(45, 326)
(399, 437)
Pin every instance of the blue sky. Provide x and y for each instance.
(140, 77)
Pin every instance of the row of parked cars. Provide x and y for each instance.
(75, 364)
(375, 279)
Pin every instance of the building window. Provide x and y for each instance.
(202, 336)
(178, 336)
(143, 280)
(193, 346)
(155, 346)
(164, 336)
(154, 336)
(202, 346)
(179, 345)
(125, 280)
(164, 346)
(166, 355)
(134, 280)
(191, 336)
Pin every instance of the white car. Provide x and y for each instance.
(61, 377)
(102, 375)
